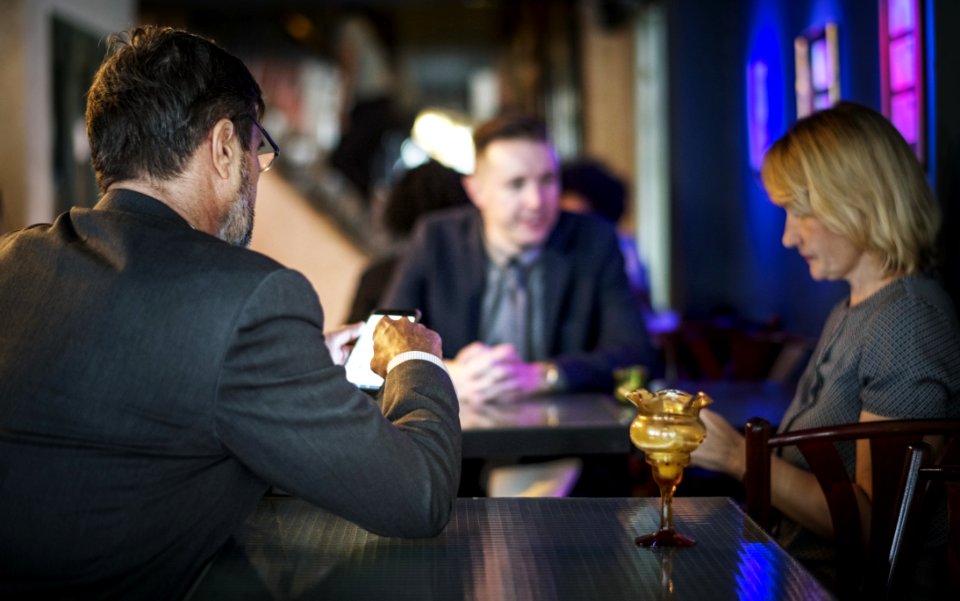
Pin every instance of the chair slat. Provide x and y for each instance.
(866, 563)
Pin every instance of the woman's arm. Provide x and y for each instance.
(794, 491)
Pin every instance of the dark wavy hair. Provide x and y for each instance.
(425, 188)
(155, 97)
(601, 188)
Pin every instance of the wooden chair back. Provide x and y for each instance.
(889, 444)
(923, 487)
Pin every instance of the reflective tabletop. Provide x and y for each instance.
(547, 548)
(547, 425)
(588, 423)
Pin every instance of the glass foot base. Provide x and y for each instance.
(665, 538)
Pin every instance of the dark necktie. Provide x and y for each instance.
(510, 318)
(515, 298)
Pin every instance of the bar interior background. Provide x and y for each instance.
(667, 92)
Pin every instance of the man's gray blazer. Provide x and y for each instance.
(155, 382)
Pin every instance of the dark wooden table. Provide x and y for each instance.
(584, 424)
(508, 549)
(566, 424)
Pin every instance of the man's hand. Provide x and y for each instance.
(484, 374)
(395, 336)
(340, 341)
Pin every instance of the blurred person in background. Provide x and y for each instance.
(372, 123)
(590, 187)
(423, 189)
(528, 299)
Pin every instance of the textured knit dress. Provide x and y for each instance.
(896, 354)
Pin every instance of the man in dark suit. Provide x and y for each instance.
(156, 378)
(527, 299)
(580, 320)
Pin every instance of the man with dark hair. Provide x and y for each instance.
(156, 378)
(528, 299)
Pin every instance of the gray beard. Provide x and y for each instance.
(236, 227)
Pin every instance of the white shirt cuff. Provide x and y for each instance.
(411, 355)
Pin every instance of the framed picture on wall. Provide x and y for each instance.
(818, 69)
(901, 70)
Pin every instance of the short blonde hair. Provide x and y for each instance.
(849, 168)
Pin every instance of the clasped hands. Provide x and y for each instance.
(484, 374)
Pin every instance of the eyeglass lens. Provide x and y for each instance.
(267, 150)
(265, 155)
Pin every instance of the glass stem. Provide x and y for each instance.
(666, 506)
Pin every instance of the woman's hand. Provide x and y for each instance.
(793, 491)
(723, 450)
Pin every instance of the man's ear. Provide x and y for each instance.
(471, 185)
(222, 146)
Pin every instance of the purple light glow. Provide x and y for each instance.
(758, 112)
(899, 16)
(821, 101)
(903, 109)
(902, 64)
(820, 69)
(901, 42)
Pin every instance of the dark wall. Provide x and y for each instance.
(727, 254)
(704, 47)
(946, 134)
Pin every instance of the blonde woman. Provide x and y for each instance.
(859, 209)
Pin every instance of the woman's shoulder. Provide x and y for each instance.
(928, 294)
(909, 353)
(911, 302)
(913, 326)
(446, 227)
(450, 218)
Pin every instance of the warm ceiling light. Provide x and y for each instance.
(298, 26)
(446, 137)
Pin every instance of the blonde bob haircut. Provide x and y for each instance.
(850, 169)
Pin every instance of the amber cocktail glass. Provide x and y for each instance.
(667, 429)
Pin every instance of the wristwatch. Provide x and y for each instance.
(551, 376)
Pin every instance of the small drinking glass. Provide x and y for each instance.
(667, 429)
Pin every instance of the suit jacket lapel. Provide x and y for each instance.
(473, 271)
(557, 274)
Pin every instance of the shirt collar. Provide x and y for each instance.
(500, 259)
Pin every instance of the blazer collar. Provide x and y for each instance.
(128, 201)
(557, 278)
(474, 261)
